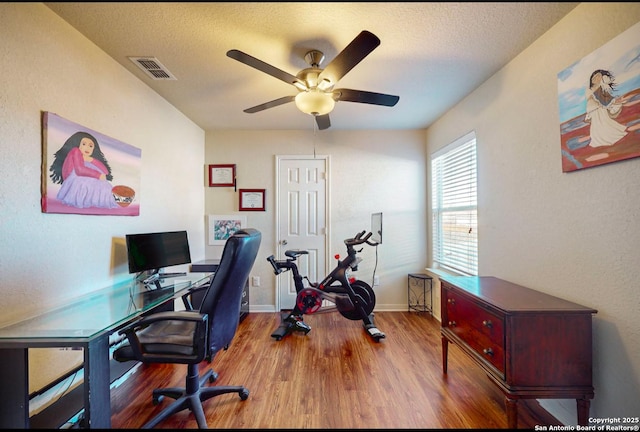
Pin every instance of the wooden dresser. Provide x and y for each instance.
(532, 345)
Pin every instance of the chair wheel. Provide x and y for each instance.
(213, 377)
(244, 394)
(157, 399)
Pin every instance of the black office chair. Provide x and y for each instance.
(188, 336)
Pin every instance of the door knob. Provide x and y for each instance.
(283, 242)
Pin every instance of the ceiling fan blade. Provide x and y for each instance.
(271, 104)
(323, 122)
(263, 67)
(353, 54)
(361, 96)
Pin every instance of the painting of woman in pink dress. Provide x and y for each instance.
(86, 172)
(83, 171)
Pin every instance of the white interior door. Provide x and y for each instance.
(301, 219)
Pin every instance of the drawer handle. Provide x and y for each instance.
(488, 351)
(487, 323)
(452, 323)
(451, 301)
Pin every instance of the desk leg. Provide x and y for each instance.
(511, 406)
(14, 388)
(97, 395)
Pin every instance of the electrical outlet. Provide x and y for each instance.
(255, 281)
(376, 280)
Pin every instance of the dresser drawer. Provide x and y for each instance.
(479, 328)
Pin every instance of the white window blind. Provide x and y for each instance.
(455, 205)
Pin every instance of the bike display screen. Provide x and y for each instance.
(376, 228)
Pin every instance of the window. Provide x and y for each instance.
(455, 206)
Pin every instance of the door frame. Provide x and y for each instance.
(327, 229)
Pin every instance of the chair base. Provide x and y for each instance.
(191, 396)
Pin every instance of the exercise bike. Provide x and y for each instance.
(353, 298)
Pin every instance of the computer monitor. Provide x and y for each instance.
(376, 228)
(154, 251)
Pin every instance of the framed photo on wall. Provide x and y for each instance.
(222, 175)
(252, 200)
(221, 227)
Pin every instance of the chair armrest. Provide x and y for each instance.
(186, 298)
(164, 316)
(131, 330)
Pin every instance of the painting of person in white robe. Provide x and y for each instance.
(602, 109)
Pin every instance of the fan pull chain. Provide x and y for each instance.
(315, 129)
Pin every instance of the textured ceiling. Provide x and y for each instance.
(431, 54)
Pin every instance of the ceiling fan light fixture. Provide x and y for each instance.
(300, 86)
(325, 84)
(315, 103)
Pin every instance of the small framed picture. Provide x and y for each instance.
(252, 200)
(222, 175)
(221, 227)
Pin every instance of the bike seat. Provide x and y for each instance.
(295, 253)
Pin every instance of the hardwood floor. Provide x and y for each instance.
(336, 377)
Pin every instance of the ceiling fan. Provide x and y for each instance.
(316, 94)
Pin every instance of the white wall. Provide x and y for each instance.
(573, 235)
(46, 65)
(370, 172)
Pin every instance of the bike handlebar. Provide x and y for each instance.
(277, 270)
(359, 239)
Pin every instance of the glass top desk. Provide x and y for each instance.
(85, 322)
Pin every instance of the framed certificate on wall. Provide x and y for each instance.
(252, 200)
(222, 175)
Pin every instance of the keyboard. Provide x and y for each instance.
(167, 275)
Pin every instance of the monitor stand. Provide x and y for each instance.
(156, 277)
(150, 282)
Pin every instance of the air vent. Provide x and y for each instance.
(152, 67)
